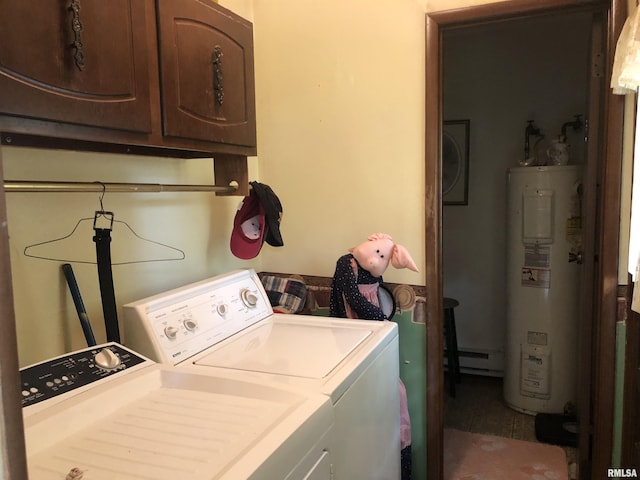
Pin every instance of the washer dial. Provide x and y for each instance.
(190, 324)
(249, 298)
(170, 331)
(106, 359)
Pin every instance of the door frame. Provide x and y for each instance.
(597, 385)
(12, 443)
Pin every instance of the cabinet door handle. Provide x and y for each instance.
(76, 25)
(218, 81)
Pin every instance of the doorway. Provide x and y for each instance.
(600, 298)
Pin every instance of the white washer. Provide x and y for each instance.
(226, 323)
(108, 413)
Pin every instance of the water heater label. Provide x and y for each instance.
(534, 374)
(536, 277)
(537, 216)
(536, 255)
(537, 338)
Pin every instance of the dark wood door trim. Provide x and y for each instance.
(608, 222)
(433, 256)
(589, 301)
(606, 288)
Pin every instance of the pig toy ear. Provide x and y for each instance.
(400, 258)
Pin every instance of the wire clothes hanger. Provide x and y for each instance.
(105, 220)
(102, 240)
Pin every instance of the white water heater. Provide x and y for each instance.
(544, 246)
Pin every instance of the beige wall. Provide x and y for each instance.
(340, 101)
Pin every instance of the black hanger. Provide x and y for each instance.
(104, 220)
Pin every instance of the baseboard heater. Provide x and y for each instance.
(481, 362)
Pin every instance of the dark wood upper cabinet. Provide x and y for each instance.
(207, 77)
(102, 82)
(174, 77)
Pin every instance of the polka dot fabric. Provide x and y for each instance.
(344, 287)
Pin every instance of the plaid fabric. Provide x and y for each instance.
(285, 294)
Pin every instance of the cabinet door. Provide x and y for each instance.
(207, 76)
(77, 61)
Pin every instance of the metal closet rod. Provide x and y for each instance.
(55, 187)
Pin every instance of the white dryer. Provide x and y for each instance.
(107, 413)
(226, 324)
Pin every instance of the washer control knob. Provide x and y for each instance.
(106, 359)
(222, 309)
(190, 324)
(171, 332)
(249, 298)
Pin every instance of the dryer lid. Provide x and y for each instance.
(299, 350)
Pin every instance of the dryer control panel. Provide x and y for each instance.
(61, 375)
(173, 326)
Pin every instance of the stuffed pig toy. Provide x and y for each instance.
(354, 294)
(354, 288)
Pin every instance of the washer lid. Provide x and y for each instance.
(292, 349)
(166, 424)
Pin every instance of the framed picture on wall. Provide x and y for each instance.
(455, 162)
